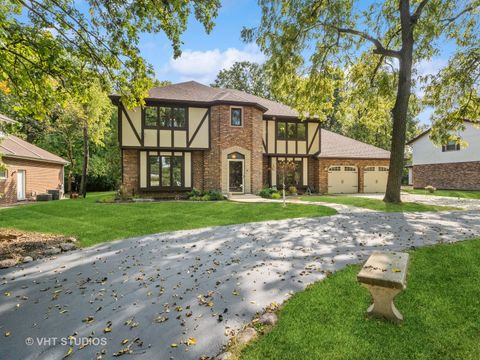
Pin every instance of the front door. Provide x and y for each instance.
(235, 176)
(20, 184)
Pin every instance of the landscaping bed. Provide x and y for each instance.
(18, 246)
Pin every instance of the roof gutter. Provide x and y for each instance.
(10, 156)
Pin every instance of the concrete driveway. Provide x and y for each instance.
(191, 288)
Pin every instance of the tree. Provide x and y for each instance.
(304, 38)
(42, 43)
(285, 167)
(245, 76)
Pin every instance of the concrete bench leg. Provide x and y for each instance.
(383, 305)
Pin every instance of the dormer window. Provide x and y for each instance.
(164, 117)
(451, 146)
(236, 116)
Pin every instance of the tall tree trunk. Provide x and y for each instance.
(400, 109)
(83, 183)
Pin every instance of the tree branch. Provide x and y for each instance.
(418, 12)
(379, 48)
(448, 21)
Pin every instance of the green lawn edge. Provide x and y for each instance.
(375, 204)
(462, 194)
(92, 222)
(441, 307)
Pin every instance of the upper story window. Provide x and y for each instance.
(236, 116)
(291, 131)
(451, 146)
(3, 174)
(167, 117)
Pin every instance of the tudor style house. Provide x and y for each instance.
(189, 135)
(451, 166)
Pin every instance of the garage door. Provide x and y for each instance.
(375, 179)
(342, 179)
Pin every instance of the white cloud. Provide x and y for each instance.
(203, 66)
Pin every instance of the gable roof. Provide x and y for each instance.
(194, 92)
(429, 129)
(334, 145)
(14, 147)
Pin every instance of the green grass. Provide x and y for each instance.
(448, 193)
(441, 307)
(374, 204)
(93, 222)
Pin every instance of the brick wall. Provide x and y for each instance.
(324, 164)
(224, 136)
(130, 161)
(198, 170)
(455, 176)
(39, 177)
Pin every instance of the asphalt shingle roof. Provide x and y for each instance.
(334, 145)
(12, 146)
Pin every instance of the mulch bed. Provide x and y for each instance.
(16, 245)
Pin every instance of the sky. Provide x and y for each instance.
(204, 55)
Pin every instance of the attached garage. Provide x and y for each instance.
(342, 179)
(347, 166)
(375, 179)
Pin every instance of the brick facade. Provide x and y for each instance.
(453, 176)
(324, 164)
(39, 177)
(224, 136)
(130, 166)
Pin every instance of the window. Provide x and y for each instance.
(3, 174)
(236, 116)
(382, 168)
(451, 146)
(335, 168)
(291, 131)
(165, 117)
(166, 171)
(293, 172)
(235, 155)
(370, 168)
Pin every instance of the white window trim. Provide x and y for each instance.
(5, 176)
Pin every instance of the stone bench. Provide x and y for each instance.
(385, 276)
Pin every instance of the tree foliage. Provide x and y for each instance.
(47, 47)
(307, 41)
(245, 76)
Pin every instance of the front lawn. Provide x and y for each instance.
(441, 307)
(374, 204)
(464, 194)
(93, 222)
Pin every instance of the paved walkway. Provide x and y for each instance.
(153, 291)
(341, 209)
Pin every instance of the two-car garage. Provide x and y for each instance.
(347, 179)
(349, 166)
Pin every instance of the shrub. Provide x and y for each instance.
(215, 195)
(276, 196)
(267, 193)
(210, 195)
(122, 193)
(430, 189)
(292, 190)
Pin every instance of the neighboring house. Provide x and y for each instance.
(193, 136)
(451, 166)
(30, 170)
